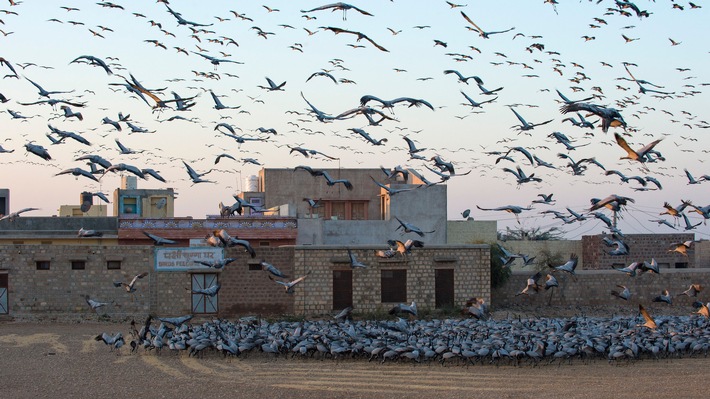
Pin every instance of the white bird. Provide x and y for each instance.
(288, 286)
(130, 287)
(14, 215)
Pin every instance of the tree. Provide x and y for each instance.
(532, 234)
(499, 273)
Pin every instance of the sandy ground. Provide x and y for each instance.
(51, 360)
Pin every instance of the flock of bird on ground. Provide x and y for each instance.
(210, 41)
(467, 341)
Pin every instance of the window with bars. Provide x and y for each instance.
(78, 264)
(42, 265)
(113, 264)
(346, 210)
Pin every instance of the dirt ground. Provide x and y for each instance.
(50, 360)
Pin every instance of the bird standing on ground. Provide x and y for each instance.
(403, 308)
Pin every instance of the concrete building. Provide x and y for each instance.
(131, 202)
(4, 201)
(364, 215)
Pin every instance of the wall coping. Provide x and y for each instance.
(698, 270)
(370, 246)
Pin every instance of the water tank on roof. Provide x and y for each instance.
(129, 182)
(251, 184)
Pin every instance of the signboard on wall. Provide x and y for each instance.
(184, 259)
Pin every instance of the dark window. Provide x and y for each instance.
(254, 266)
(444, 287)
(681, 265)
(342, 289)
(264, 243)
(78, 265)
(130, 205)
(113, 264)
(42, 265)
(393, 284)
(3, 280)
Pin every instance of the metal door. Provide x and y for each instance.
(4, 309)
(204, 303)
(342, 289)
(444, 287)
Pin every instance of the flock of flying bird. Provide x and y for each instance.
(80, 139)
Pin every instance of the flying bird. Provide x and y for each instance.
(481, 32)
(130, 287)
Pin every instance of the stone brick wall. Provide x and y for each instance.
(471, 265)
(554, 247)
(641, 247)
(246, 289)
(60, 289)
(592, 288)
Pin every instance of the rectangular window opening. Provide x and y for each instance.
(78, 265)
(113, 264)
(42, 265)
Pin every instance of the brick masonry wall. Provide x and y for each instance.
(641, 247)
(60, 289)
(246, 291)
(471, 264)
(593, 287)
(533, 248)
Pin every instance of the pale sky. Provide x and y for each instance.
(544, 51)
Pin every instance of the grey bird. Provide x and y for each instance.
(410, 228)
(664, 297)
(216, 264)
(86, 233)
(157, 240)
(272, 85)
(38, 150)
(218, 103)
(403, 308)
(569, 266)
(78, 172)
(339, 6)
(624, 294)
(196, 177)
(354, 263)
(95, 305)
(268, 267)
(123, 167)
(514, 209)
(464, 79)
(610, 117)
(524, 125)
(210, 291)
